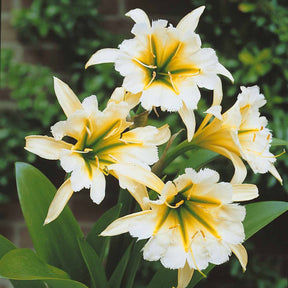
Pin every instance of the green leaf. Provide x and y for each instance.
(279, 142)
(116, 278)
(100, 243)
(24, 264)
(94, 265)
(56, 242)
(5, 247)
(133, 264)
(258, 215)
(163, 278)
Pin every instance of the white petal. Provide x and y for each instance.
(241, 253)
(59, 201)
(107, 55)
(66, 97)
(244, 192)
(90, 104)
(216, 111)
(190, 21)
(175, 256)
(188, 117)
(123, 225)
(275, 173)
(98, 185)
(223, 71)
(184, 276)
(138, 16)
(46, 147)
(138, 174)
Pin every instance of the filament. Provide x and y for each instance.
(145, 65)
(151, 81)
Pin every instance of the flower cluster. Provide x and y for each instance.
(196, 220)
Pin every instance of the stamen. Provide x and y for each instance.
(145, 65)
(153, 78)
(130, 142)
(88, 130)
(176, 205)
(86, 150)
(173, 85)
(191, 74)
(174, 226)
(193, 258)
(105, 171)
(114, 158)
(155, 111)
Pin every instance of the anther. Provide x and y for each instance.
(176, 205)
(172, 83)
(151, 81)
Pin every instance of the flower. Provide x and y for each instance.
(192, 223)
(90, 143)
(241, 131)
(166, 64)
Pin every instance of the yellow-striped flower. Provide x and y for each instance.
(193, 223)
(166, 65)
(91, 143)
(241, 132)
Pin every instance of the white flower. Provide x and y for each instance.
(241, 131)
(193, 223)
(98, 145)
(166, 64)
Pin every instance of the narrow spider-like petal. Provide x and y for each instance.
(98, 185)
(275, 173)
(66, 97)
(46, 147)
(241, 253)
(184, 276)
(59, 201)
(188, 118)
(138, 174)
(190, 21)
(107, 55)
(123, 225)
(240, 169)
(244, 192)
(215, 111)
(223, 71)
(138, 16)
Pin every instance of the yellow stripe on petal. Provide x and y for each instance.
(244, 192)
(138, 174)
(66, 97)
(46, 147)
(184, 276)
(59, 201)
(241, 253)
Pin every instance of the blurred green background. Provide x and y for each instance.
(251, 41)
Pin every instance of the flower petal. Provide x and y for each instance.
(241, 253)
(46, 147)
(107, 55)
(215, 111)
(275, 173)
(139, 174)
(244, 192)
(138, 16)
(66, 97)
(223, 71)
(188, 118)
(98, 185)
(59, 201)
(184, 276)
(190, 21)
(123, 225)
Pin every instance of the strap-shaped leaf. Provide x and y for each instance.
(5, 247)
(56, 242)
(117, 276)
(94, 265)
(279, 142)
(100, 243)
(163, 278)
(24, 264)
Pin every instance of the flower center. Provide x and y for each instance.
(163, 64)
